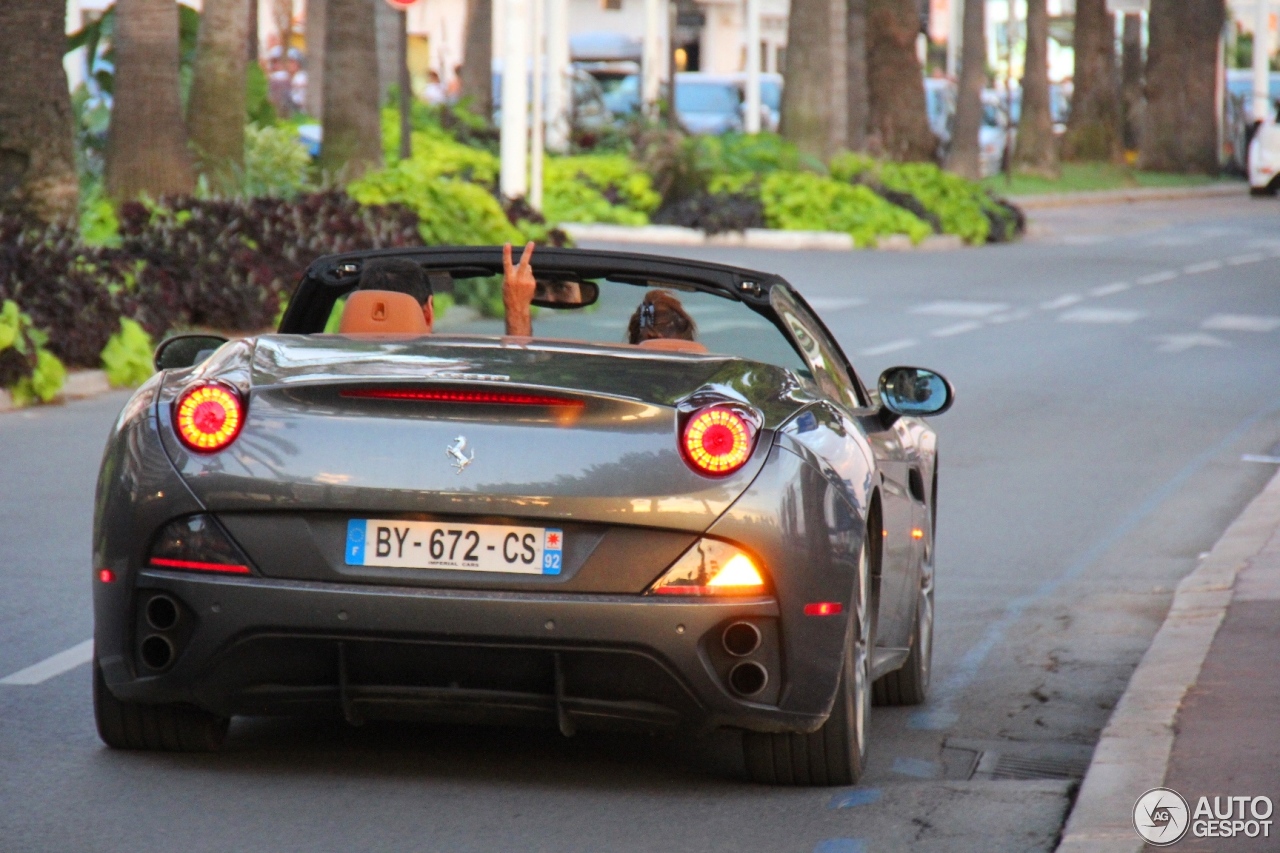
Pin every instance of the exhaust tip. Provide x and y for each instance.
(740, 639)
(162, 612)
(748, 678)
(157, 652)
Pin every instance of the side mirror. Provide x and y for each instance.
(186, 350)
(565, 293)
(914, 391)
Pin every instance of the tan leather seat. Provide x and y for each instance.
(672, 345)
(382, 312)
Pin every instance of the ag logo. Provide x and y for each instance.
(1161, 817)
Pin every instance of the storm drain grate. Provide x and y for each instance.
(1025, 767)
(1016, 760)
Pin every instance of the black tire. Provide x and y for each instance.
(161, 728)
(910, 685)
(835, 754)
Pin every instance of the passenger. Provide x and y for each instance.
(660, 315)
(401, 276)
(518, 286)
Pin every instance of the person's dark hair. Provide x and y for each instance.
(398, 274)
(660, 315)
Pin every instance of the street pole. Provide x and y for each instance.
(1011, 28)
(752, 120)
(406, 93)
(955, 36)
(1262, 109)
(539, 70)
(651, 58)
(513, 146)
(558, 106)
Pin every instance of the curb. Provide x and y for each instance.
(1132, 755)
(1051, 200)
(80, 385)
(751, 238)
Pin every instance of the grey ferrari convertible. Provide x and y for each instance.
(675, 505)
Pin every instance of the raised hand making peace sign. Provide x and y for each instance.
(518, 286)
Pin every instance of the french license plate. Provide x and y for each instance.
(440, 545)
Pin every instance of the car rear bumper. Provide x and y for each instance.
(251, 645)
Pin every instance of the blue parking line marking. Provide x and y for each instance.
(932, 721)
(356, 529)
(856, 797)
(841, 845)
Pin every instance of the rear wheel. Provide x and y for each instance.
(836, 753)
(167, 728)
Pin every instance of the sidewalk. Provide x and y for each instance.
(1201, 714)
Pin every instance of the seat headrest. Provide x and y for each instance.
(672, 345)
(382, 312)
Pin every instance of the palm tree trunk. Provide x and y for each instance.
(352, 141)
(147, 141)
(1180, 133)
(1093, 131)
(856, 74)
(1131, 97)
(216, 111)
(814, 102)
(315, 57)
(37, 143)
(1037, 150)
(899, 121)
(964, 158)
(477, 58)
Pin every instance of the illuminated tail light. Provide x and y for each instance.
(712, 567)
(717, 441)
(208, 417)
(197, 543)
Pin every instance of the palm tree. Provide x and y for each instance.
(147, 141)
(859, 111)
(477, 57)
(1093, 130)
(352, 141)
(896, 82)
(964, 157)
(814, 103)
(1180, 131)
(37, 134)
(216, 110)
(1037, 150)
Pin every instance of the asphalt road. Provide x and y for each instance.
(1112, 371)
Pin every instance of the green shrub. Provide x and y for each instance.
(275, 163)
(127, 356)
(27, 369)
(451, 211)
(803, 201)
(757, 154)
(98, 223)
(960, 206)
(598, 188)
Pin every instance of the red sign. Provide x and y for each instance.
(401, 5)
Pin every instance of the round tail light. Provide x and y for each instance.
(717, 441)
(208, 417)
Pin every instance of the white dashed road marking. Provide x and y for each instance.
(1100, 315)
(1241, 323)
(1265, 460)
(957, 329)
(1182, 343)
(1064, 301)
(1205, 266)
(1020, 314)
(892, 346)
(834, 303)
(51, 667)
(1240, 260)
(1158, 277)
(1110, 289)
(960, 309)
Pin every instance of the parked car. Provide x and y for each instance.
(940, 104)
(997, 135)
(708, 103)
(676, 534)
(1238, 118)
(588, 109)
(770, 98)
